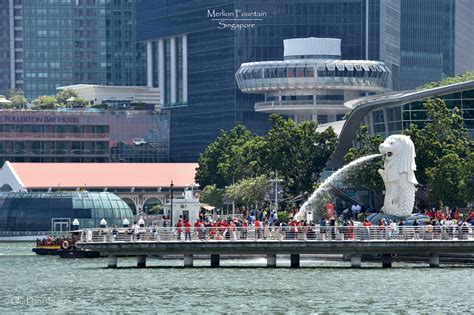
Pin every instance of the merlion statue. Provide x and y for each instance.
(398, 175)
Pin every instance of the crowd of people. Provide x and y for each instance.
(255, 224)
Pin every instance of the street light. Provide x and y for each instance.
(171, 203)
(276, 180)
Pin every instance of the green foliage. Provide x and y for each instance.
(156, 209)
(64, 95)
(18, 101)
(248, 191)
(212, 196)
(232, 156)
(468, 76)
(283, 216)
(45, 102)
(443, 152)
(449, 181)
(443, 135)
(297, 152)
(78, 102)
(14, 92)
(365, 175)
(5, 105)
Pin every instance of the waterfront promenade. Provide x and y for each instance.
(353, 242)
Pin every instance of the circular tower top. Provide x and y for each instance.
(312, 48)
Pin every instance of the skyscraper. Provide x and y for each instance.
(51, 43)
(436, 40)
(195, 48)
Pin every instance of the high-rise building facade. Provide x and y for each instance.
(50, 43)
(436, 40)
(195, 47)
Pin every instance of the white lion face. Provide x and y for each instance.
(393, 146)
(399, 157)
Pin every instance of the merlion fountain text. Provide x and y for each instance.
(398, 175)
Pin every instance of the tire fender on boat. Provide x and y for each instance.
(65, 245)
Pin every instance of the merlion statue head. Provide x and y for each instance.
(399, 157)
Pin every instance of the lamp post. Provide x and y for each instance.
(171, 202)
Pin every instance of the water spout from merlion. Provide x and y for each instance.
(398, 175)
(319, 193)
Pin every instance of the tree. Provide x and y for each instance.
(232, 156)
(45, 102)
(468, 76)
(450, 181)
(365, 175)
(78, 102)
(18, 101)
(64, 95)
(444, 134)
(248, 191)
(297, 152)
(444, 157)
(212, 196)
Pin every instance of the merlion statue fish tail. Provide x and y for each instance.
(398, 175)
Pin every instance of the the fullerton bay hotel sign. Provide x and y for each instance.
(38, 119)
(236, 20)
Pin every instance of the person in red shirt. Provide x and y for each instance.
(245, 228)
(197, 229)
(367, 226)
(187, 230)
(179, 229)
(258, 229)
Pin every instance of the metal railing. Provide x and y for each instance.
(304, 233)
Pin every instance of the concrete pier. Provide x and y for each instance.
(112, 261)
(356, 260)
(271, 260)
(386, 260)
(141, 261)
(188, 260)
(215, 261)
(295, 260)
(434, 260)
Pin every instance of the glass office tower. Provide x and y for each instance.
(55, 43)
(195, 47)
(436, 40)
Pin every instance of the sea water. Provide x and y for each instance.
(38, 284)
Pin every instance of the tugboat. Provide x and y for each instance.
(49, 246)
(65, 246)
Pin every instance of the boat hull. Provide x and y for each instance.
(77, 253)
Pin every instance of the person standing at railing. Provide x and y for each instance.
(258, 229)
(179, 229)
(332, 224)
(245, 228)
(197, 229)
(381, 229)
(233, 229)
(187, 230)
(367, 226)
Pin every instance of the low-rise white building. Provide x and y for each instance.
(99, 94)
